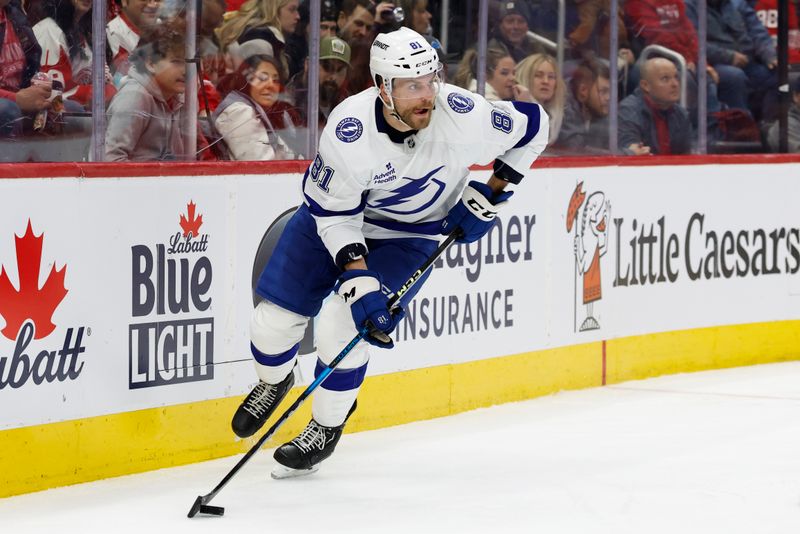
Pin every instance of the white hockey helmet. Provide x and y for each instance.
(401, 54)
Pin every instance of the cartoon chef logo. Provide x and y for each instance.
(589, 215)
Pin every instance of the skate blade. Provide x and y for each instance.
(280, 472)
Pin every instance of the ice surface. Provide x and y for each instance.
(711, 452)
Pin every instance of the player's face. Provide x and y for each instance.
(265, 85)
(288, 17)
(543, 82)
(413, 99)
(502, 80)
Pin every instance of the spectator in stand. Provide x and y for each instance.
(254, 123)
(359, 22)
(743, 56)
(65, 36)
(355, 20)
(538, 73)
(794, 123)
(592, 33)
(144, 118)
(418, 17)
(19, 61)
(585, 122)
(509, 23)
(500, 81)
(124, 30)
(334, 62)
(328, 16)
(664, 22)
(650, 120)
(208, 46)
(268, 20)
(767, 13)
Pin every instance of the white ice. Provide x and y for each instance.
(711, 452)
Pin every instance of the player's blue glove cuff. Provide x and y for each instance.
(361, 290)
(476, 213)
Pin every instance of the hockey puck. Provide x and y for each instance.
(212, 510)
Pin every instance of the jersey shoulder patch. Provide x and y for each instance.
(460, 103)
(349, 129)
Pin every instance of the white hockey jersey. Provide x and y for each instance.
(362, 184)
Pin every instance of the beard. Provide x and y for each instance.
(414, 121)
(328, 92)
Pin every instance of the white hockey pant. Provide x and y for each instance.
(276, 333)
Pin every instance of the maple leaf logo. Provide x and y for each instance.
(192, 224)
(30, 301)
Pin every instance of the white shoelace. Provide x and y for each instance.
(312, 436)
(261, 399)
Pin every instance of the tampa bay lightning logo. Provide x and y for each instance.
(415, 190)
(460, 103)
(349, 129)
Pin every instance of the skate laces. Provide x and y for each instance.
(312, 436)
(260, 399)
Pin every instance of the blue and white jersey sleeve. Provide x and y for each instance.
(336, 195)
(514, 132)
(531, 137)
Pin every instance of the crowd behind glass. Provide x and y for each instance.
(254, 100)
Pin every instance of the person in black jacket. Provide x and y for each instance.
(18, 98)
(650, 119)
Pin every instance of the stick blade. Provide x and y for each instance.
(195, 507)
(199, 507)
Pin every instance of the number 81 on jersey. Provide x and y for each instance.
(320, 173)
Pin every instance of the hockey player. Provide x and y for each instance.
(388, 180)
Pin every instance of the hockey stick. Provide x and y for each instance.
(201, 503)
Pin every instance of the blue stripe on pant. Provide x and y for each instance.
(341, 379)
(274, 360)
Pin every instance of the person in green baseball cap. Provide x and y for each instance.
(334, 65)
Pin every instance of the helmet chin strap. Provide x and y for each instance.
(392, 110)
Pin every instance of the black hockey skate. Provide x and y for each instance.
(314, 444)
(259, 405)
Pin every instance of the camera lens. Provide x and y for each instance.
(395, 15)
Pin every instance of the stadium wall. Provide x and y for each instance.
(126, 290)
